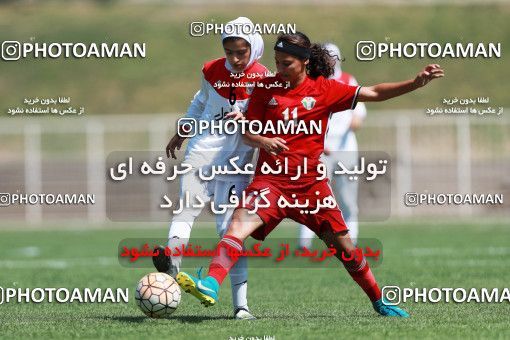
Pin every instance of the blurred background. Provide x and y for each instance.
(133, 104)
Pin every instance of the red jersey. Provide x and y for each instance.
(312, 100)
(215, 73)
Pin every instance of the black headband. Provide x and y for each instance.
(292, 49)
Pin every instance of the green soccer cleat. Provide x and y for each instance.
(205, 290)
(385, 309)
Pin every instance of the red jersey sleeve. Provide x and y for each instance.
(257, 105)
(340, 97)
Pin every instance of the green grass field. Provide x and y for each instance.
(291, 303)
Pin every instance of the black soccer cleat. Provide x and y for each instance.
(161, 261)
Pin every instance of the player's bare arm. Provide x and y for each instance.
(174, 143)
(385, 91)
(272, 145)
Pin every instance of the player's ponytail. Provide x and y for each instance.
(320, 62)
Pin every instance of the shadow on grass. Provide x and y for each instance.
(180, 318)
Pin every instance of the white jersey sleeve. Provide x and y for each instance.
(360, 111)
(197, 106)
(338, 126)
(340, 137)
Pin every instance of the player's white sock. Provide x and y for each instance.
(179, 229)
(178, 235)
(353, 230)
(305, 237)
(239, 282)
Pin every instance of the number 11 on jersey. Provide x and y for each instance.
(286, 114)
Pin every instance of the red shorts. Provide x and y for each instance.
(325, 219)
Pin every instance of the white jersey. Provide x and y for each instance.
(340, 137)
(212, 103)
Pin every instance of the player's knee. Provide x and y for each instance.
(243, 224)
(236, 229)
(340, 241)
(235, 225)
(329, 237)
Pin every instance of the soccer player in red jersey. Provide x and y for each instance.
(311, 97)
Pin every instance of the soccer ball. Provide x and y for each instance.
(157, 295)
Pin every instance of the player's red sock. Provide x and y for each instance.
(361, 273)
(223, 262)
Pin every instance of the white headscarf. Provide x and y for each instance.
(334, 51)
(254, 39)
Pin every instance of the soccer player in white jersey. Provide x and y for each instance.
(341, 145)
(215, 103)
